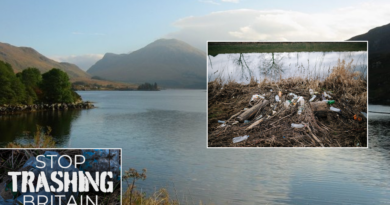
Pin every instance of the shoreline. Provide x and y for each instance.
(18, 109)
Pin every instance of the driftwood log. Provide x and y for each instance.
(252, 111)
(319, 108)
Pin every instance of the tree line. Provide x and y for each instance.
(31, 87)
(148, 86)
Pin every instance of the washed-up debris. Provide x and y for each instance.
(223, 125)
(236, 122)
(327, 95)
(293, 125)
(220, 121)
(247, 121)
(334, 109)
(291, 102)
(240, 139)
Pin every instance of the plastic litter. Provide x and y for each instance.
(295, 96)
(301, 101)
(220, 121)
(223, 125)
(256, 97)
(277, 98)
(273, 112)
(297, 125)
(239, 139)
(331, 102)
(247, 121)
(314, 97)
(286, 104)
(311, 92)
(327, 95)
(258, 118)
(334, 109)
(236, 122)
(300, 109)
(270, 90)
(99, 160)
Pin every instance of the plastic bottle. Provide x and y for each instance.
(311, 92)
(239, 139)
(297, 125)
(301, 101)
(334, 109)
(287, 104)
(300, 109)
(331, 102)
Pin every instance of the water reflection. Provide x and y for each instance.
(20, 128)
(242, 66)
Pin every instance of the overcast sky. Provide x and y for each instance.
(81, 32)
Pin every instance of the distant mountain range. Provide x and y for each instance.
(168, 62)
(23, 57)
(379, 63)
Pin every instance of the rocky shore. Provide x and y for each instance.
(14, 109)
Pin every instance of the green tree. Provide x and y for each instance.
(11, 88)
(56, 87)
(31, 78)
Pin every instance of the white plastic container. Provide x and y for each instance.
(239, 139)
(334, 109)
(286, 104)
(301, 101)
(314, 97)
(297, 125)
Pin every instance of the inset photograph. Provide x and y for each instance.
(287, 94)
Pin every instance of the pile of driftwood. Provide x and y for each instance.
(280, 118)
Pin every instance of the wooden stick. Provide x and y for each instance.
(254, 124)
(315, 137)
(253, 110)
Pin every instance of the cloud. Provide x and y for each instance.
(82, 61)
(260, 25)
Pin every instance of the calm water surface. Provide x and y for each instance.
(165, 132)
(242, 66)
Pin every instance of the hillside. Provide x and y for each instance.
(168, 62)
(23, 57)
(379, 63)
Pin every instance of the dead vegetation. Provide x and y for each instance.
(270, 125)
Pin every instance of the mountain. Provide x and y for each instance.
(379, 63)
(23, 57)
(168, 62)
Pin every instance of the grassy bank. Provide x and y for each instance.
(215, 48)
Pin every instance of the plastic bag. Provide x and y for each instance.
(239, 139)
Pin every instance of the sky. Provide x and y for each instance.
(81, 32)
